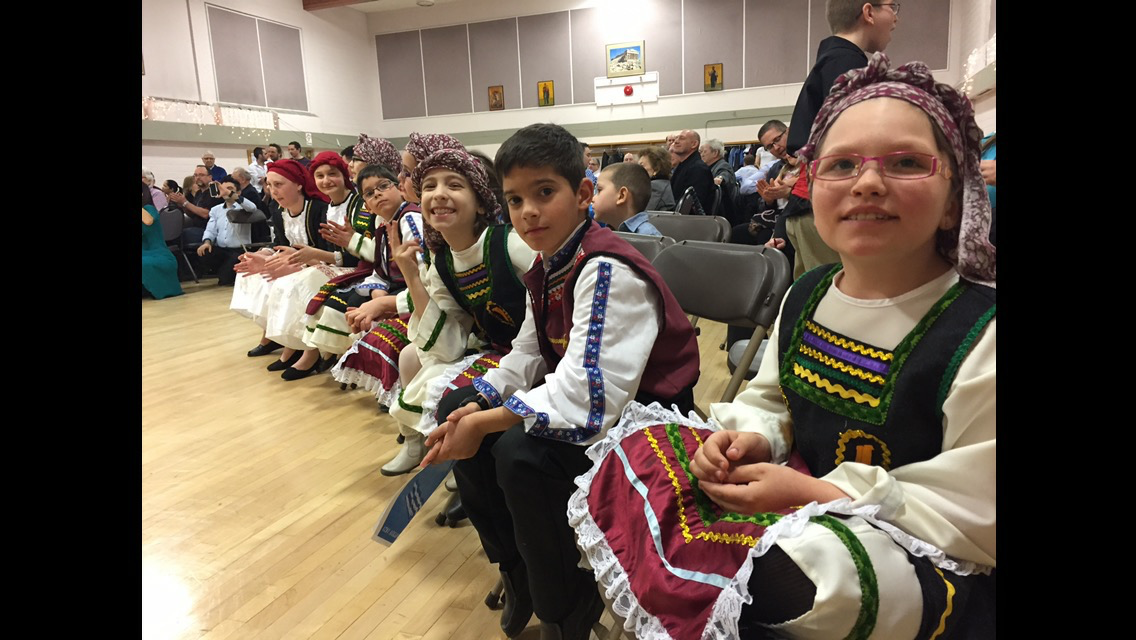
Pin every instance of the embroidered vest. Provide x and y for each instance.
(854, 402)
(361, 220)
(490, 291)
(384, 264)
(672, 366)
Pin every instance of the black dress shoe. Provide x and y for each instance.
(578, 624)
(280, 365)
(264, 349)
(292, 373)
(327, 363)
(518, 607)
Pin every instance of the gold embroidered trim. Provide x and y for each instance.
(847, 344)
(885, 452)
(821, 383)
(846, 368)
(674, 481)
(950, 605)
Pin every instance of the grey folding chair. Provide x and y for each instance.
(649, 246)
(172, 221)
(708, 228)
(727, 283)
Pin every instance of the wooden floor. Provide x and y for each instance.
(259, 497)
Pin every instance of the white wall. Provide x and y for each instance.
(779, 99)
(341, 70)
(176, 160)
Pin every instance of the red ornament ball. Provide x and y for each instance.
(627, 90)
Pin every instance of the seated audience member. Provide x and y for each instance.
(222, 245)
(629, 157)
(196, 209)
(622, 193)
(171, 186)
(188, 188)
(159, 267)
(348, 154)
(657, 162)
(713, 153)
(748, 175)
(601, 329)
(158, 195)
(860, 463)
(261, 217)
(691, 171)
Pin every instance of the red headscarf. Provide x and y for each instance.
(335, 160)
(296, 173)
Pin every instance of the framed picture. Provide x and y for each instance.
(712, 77)
(496, 97)
(545, 94)
(625, 59)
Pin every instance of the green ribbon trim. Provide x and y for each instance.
(394, 332)
(848, 408)
(407, 407)
(869, 588)
(848, 380)
(437, 331)
(330, 330)
(960, 353)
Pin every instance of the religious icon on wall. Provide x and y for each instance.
(625, 59)
(712, 77)
(545, 94)
(496, 97)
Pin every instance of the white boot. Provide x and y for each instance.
(408, 458)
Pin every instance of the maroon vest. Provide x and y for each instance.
(673, 364)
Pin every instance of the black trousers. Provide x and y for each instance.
(516, 490)
(222, 260)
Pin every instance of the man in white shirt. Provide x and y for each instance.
(258, 169)
(221, 245)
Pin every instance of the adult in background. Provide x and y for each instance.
(629, 157)
(159, 267)
(274, 153)
(216, 171)
(158, 196)
(657, 162)
(691, 171)
(296, 152)
(260, 223)
(197, 210)
(713, 153)
(222, 244)
(258, 169)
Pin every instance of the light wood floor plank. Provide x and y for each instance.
(259, 497)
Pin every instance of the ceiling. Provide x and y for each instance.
(378, 6)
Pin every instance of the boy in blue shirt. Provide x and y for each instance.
(622, 193)
(601, 330)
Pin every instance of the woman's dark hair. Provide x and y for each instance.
(172, 185)
(147, 199)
